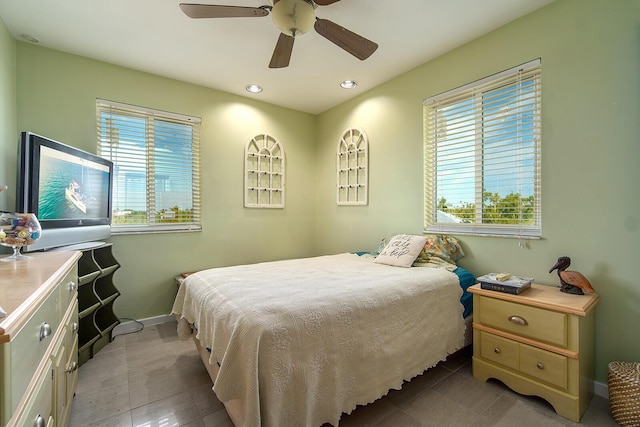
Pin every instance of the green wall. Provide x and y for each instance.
(590, 148)
(591, 104)
(8, 101)
(56, 97)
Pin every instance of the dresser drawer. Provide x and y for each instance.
(38, 410)
(30, 344)
(524, 320)
(543, 365)
(499, 350)
(68, 289)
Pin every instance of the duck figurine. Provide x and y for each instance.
(571, 282)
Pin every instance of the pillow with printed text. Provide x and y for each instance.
(402, 250)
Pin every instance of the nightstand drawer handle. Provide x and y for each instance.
(518, 320)
(496, 350)
(540, 365)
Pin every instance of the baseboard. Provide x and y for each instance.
(132, 326)
(599, 389)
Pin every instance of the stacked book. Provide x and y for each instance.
(505, 282)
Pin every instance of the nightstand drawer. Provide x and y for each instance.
(544, 365)
(499, 350)
(540, 364)
(523, 320)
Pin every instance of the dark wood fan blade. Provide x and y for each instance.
(356, 45)
(325, 2)
(282, 53)
(215, 11)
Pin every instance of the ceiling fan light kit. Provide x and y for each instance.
(292, 18)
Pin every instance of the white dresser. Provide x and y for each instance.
(38, 339)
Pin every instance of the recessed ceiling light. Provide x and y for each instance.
(348, 84)
(253, 88)
(29, 38)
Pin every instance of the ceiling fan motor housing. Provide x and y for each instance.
(293, 17)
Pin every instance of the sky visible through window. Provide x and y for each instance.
(494, 131)
(171, 158)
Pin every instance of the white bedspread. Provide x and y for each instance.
(302, 341)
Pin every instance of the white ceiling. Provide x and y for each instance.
(227, 54)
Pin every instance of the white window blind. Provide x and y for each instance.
(155, 154)
(482, 147)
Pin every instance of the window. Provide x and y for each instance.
(482, 156)
(155, 154)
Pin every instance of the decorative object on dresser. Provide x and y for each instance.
(571, 282)
(38, 339)
(96, 294)
(18, 230)
(537, 343)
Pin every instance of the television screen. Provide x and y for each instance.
(68, 189)
(71, 187)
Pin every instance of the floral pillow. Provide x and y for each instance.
(439, 251)
(401, 250)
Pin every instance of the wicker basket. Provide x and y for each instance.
(624, 393)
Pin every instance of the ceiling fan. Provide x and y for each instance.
(293, 18)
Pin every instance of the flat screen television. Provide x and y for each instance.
(68, 189)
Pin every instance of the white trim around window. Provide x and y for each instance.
(482, 156)
(156, 157)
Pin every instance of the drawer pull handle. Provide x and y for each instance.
(540, 365)
(45, 330)
(72, 286)
(72, 367)
(74, 327)
(518, 320)
(496, 350)
(39, 421)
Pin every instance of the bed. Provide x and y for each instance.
(299, 342)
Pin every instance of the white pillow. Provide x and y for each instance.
(402, 250)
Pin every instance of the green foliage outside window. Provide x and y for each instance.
(511, 209)
(165, 216)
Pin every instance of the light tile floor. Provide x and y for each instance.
(152, 379)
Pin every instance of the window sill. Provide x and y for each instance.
(470, 230)
(145, 229)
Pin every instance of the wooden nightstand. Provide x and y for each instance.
(179, 279)
(538, 343)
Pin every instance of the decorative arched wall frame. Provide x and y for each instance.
(264, 173)
(352, 168)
